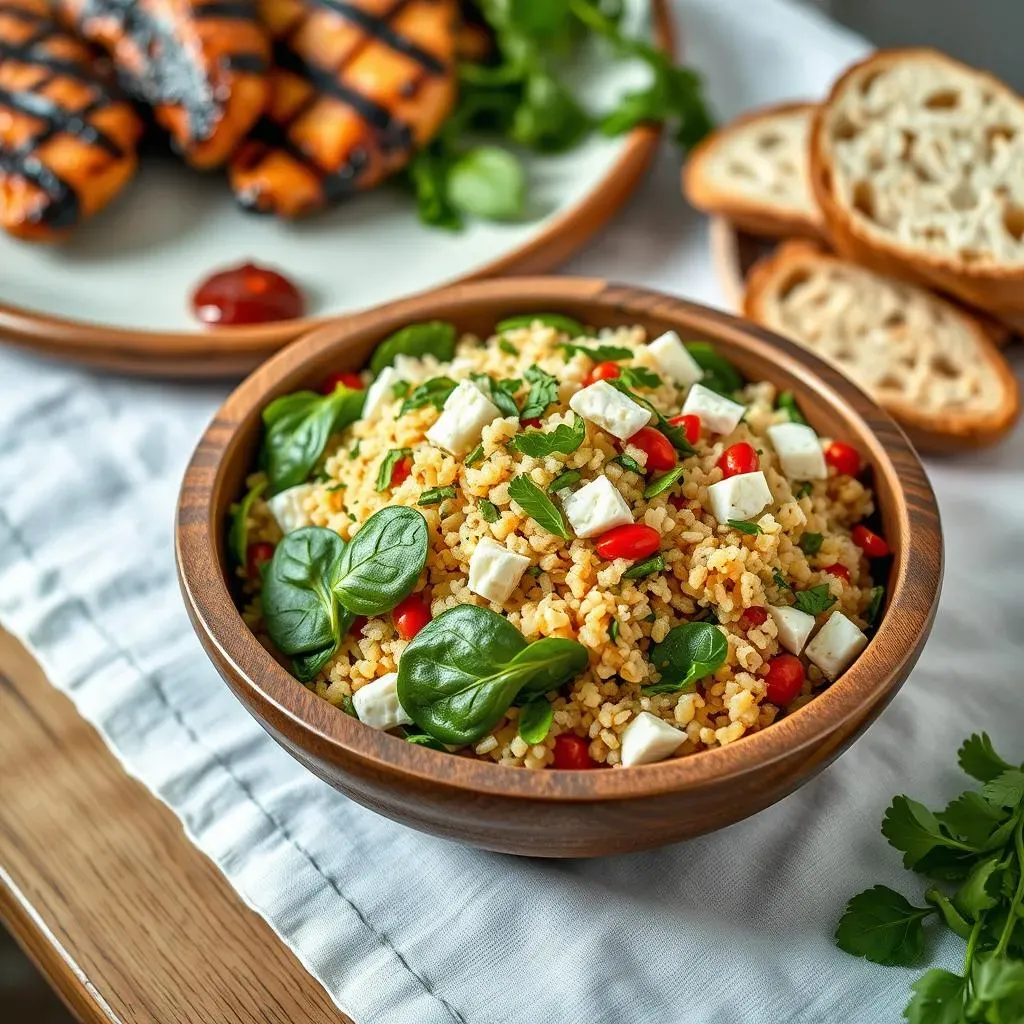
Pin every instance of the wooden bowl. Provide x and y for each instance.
(560, 813)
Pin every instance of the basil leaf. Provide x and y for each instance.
(427, 175)
(563, 480)
(875, 605)
(462, 671)
(787, 403)
(431, 392)
(599, 353)
(719, 374)
(649, 566)
(628, 462)
(475, 455)
(538, 506)
(687, 654)
(381, 564)
(563, 440)
(238, 531)
(640, 377)
(296, 429)
(750, 529)
(565, 324)
(543, 392)
(488, 182)
(548, 118)
(677, 435)
(435, 495)
(432, 338)
(535, 721)
(499, 391)
(810, 543)
(662, 483)
(300, 610)
(387, 466)
(488, 511)
(507, 347)
(814, 600)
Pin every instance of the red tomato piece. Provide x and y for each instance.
(572, 753)
(752, 617)
(350, 380)
(256, 556)
(690, 422)
(661, 456)
(843, 458)
(411, 615)
(633, 541)
(401, 471)
(869, 542)
(838, 569)
(357, 625)
(785, 679)
(738, 459)
(603, 371)
(533, 421)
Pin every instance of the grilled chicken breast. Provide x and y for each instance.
(201, 64)
(68, 138)
(357, 86)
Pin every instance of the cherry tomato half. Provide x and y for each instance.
(533, 421)
(633, 541)
(256, 556)
(661, 456)
(752, 618)
(785, 679)
(869, 542)
(843, 458)
(400, 472)
(603, 371)
(838, 569)
(572, 753)
(350, 380)
(690, 422)
(411, 615)
(738, 459)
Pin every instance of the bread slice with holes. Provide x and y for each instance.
(925, 360)
(755, 172)
(917, 164)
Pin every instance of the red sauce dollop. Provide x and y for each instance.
(248, 294)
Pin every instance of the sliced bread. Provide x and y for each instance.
(755, 172)
(917, 164)
(925, 360)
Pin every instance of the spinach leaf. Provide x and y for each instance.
(719, 374)
(563, 480)
(238, 532)
(462, 671)
(810, 543)
(431, 392)
(787, 402)
(306, 666)
(488, 182)
(599, 353)
(662, 483)
(296, 429)
(381, 564)
(538, 506)
(814, 600)
(543, 392)
(535, 720)
(475, 455)
(628, 462)
(387, 466)
(433, 338)
(548, 118)
(422, 739)
(689, 653)
(488, 511)
(564, 324)
(563, 440)
(649, 566)
(427, 175)
(750, 529)
(435, 495)
(639, 377)
(500, 392)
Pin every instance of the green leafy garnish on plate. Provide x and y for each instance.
(433, 392)
(543, 392)
(719, 374)
(563, 440)
(628, 462)
(599, 353)
(432, 338)
(750, 529)
(810, 543)
(535, 720)
(787, 403)
(538, 506)
(814, 600)
(687, 654)
(563, 480)
(488, 511)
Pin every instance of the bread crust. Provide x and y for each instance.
(992, 288)
(757, 218)
(930, 431)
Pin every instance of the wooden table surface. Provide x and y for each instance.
(125, 918)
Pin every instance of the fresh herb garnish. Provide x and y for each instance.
(613, 631)
(677, 435)
(780, 580)
(787, 403)
(875, 605)
(387, 466)
(349, 707)
(422, 739)
(543, 392)
(538, 506)
(488, 511)
(750, 529)
(810, 543)
(976, 843)
(433, 338)
(400, 389)
(353, 452)
(563, 480)
(500, 392)
(687, 654)
(804, 489)
(475, 455)
(435, 495)
(599, 353)
(563, 440)
(487, 182)
(238, 531)
(564, 324)
(639, 377)
(662, 483)
(814, 600)
(464, 670)
(507, 347)
(535, 720)
(649, 566)
(431, 392)
(719, 374)
(628, 462)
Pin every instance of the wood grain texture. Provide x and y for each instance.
(128, 921)
(561, 813)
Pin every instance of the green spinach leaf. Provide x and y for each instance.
(639, 377)
(787, 403)
(719, 374)
(500, 392)
(475, 455)
(687, 654)
(238, 532)
(810, 543)
(432, 338)
(488, 182)
(535, 720)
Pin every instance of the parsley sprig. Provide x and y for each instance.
(974, 851)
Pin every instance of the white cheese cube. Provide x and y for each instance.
(717, 413)
(674, 359)
(377, 703)
(740, 497)
(794, 627)
(648, 739)
(610, 409)
(595, 508)
(494, 571)
(379, 393)
(466, 412)
(799, 451)
(287, 507)
(838, 642)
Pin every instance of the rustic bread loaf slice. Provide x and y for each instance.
(925, 360)
(917, 163)
(755, 172)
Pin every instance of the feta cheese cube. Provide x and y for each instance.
(610, 409)
(287, 507)
(467, 410)
(838, 642)
(717, 413)
(648, 739)
(739, 497)
(799, 451)
(494, 571)
(674, 359)
(595, 508)
(794, 627)
(379, 393)
(377, 704)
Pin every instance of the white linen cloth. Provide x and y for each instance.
(402, 928)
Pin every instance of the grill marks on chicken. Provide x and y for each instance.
(201, 64)
(357, 86)
(68, 138)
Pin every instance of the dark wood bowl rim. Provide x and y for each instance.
(879, 670)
